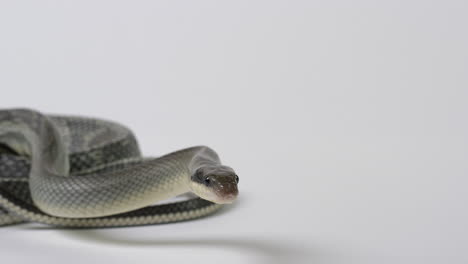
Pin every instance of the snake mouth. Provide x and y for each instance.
(227, 195)
(217, 192)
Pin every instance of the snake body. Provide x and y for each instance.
(83, 172)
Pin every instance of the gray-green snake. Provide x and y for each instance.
(83, 172)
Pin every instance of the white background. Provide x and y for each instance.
(346, 121)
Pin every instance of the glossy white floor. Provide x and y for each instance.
(346, 122)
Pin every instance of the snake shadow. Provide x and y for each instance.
(263, 250)
(268, 251)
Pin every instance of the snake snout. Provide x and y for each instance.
(225, 188)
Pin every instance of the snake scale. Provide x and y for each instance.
(74, 171)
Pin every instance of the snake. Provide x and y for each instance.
(77, 171)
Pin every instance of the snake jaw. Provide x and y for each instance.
(227, 198)
(219, 195)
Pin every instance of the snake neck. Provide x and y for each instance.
(146, 183)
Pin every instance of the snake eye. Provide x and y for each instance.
(237, 179)
(207, 180)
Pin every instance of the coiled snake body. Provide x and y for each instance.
(84, 172)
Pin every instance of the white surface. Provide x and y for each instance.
(346, 121)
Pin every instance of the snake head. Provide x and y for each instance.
(217, 184)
